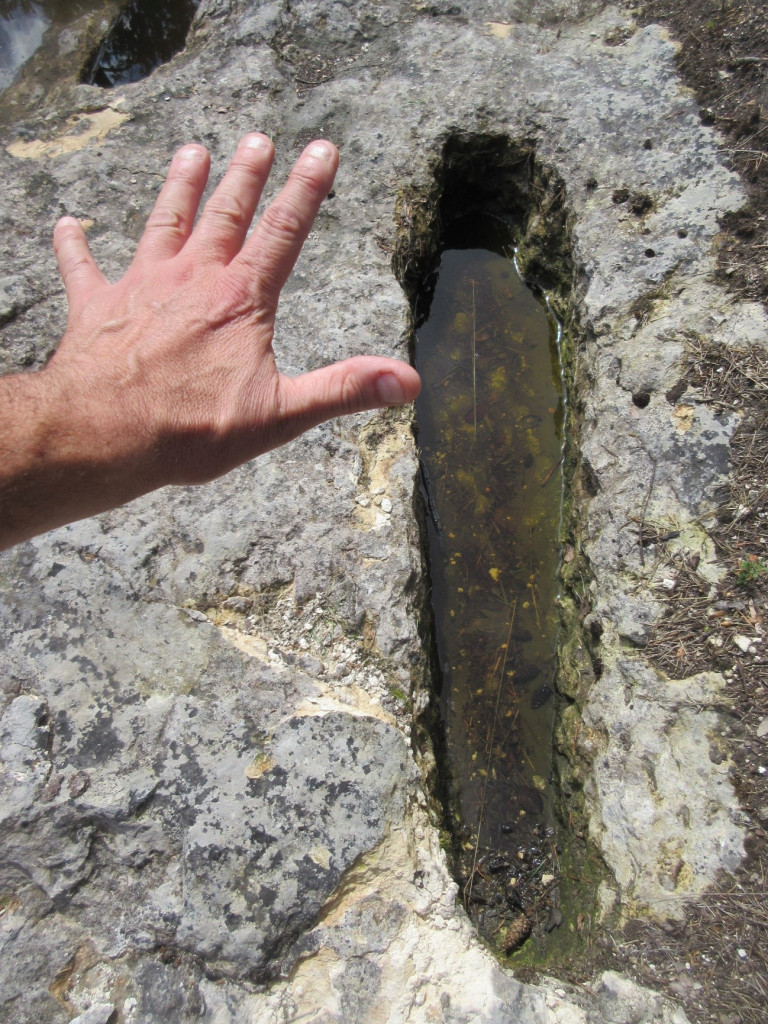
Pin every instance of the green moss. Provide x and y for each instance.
(750, 570)
(581, 874)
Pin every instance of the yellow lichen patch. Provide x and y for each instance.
(382, 446)
(671, 866)
(261, 764)
(247, 643)
(221, 616)
(9, 903)
(321, 855)
(500, 29)
(85, 958)
(685, 876)
(80, 131)
(351, 699)
(683, 416)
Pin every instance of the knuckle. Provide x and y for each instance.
(228, 209)
(167, 219)
(307, 179)
(351, 393)
(183, 178)
(282, 222)
(232, 300)
(76, 261)
(67, 238)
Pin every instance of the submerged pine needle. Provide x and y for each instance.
(505, 648)
(474, 361)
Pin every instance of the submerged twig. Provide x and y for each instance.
(552, 470)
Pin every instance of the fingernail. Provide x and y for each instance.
(390, 390)
(260, 142)
(321, 150)
(191, 153)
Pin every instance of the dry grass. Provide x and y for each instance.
(679, 642)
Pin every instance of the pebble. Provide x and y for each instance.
(744, 643)
(762, 729)
(101, 1013)
(386, 505)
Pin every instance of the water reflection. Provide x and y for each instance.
(22, 27)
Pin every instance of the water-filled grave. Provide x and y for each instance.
(490, 424)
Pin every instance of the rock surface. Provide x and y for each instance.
(210, 807)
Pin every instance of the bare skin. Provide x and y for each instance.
(168, 376)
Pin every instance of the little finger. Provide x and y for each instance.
(76, 264)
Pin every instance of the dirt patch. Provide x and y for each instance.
(724, 59)
(716, 963)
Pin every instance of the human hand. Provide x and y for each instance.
(168, 376)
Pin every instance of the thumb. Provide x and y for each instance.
(363, 382)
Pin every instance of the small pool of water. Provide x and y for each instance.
(490, 432)
(145, 34)
(22, 27)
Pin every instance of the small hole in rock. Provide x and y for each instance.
(641, 399)
(650, 253)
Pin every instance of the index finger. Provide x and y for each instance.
(269, 255)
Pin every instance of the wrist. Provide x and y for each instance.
(58, 461)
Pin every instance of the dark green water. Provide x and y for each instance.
(490, 427)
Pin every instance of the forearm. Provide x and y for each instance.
(56, 464)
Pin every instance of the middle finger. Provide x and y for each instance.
(227, 216)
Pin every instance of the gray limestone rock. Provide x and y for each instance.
(210, 807)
